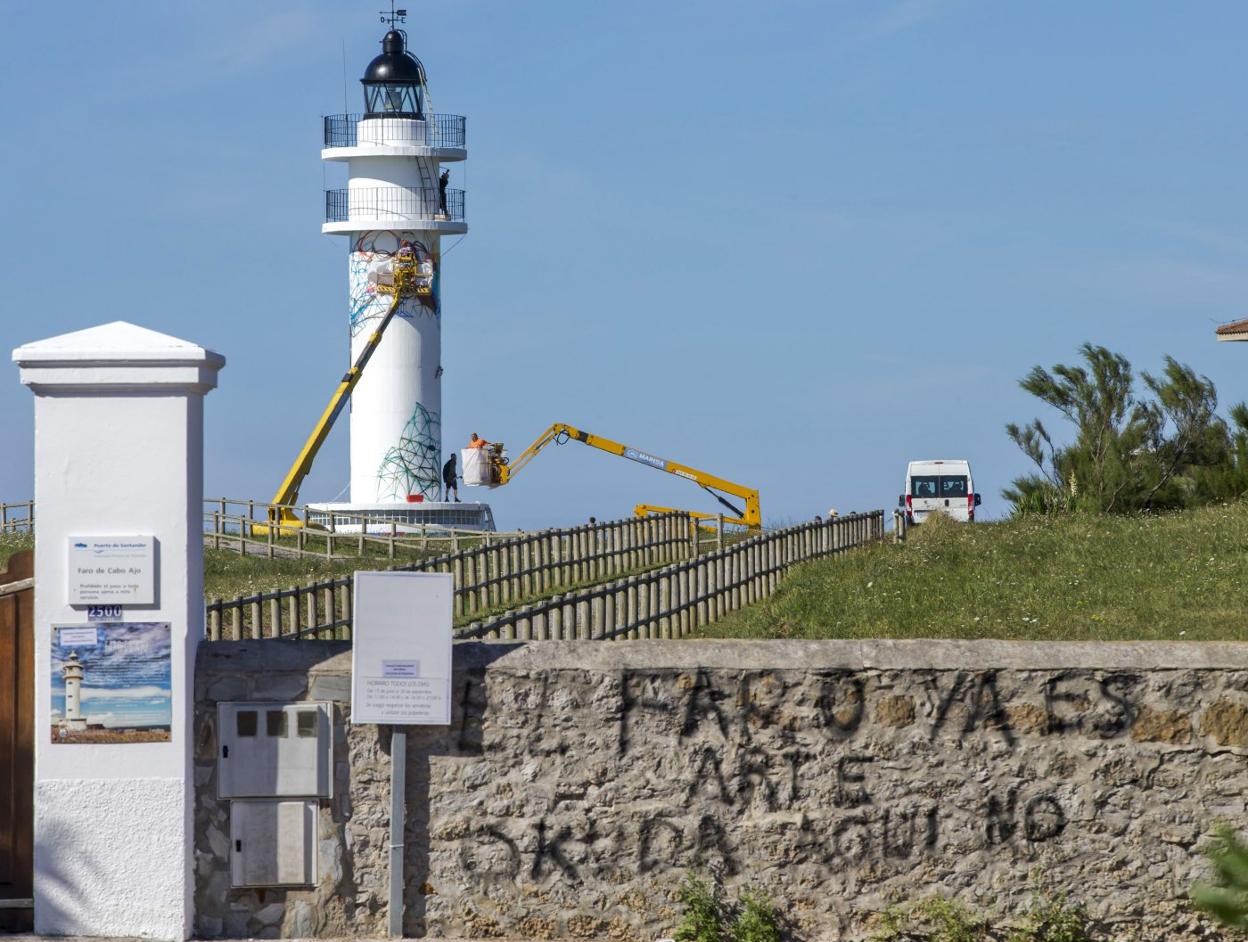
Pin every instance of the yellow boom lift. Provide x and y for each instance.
(751, 516)
(408, 277)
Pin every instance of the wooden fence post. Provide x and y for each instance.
(554, 616)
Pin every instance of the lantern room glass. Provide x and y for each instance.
(394, 99)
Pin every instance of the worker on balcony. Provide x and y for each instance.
(443, 182)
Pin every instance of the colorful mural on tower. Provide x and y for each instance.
(413, 466)
(372, 253)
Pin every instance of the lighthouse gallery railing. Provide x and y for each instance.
(397, 204)
(438, 130)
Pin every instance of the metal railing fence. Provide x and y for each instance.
(396, 204)
(438, 130)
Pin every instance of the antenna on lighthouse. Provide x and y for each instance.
(394, 16)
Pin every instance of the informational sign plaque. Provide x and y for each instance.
(401, 648)
(112, 570)
(112, 683)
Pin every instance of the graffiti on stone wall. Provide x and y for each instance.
(567, 803)
(750, 749)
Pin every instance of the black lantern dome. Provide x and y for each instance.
(394, 82)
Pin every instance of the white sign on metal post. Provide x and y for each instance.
(401, 648)
(112, 570)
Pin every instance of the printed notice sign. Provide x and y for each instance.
(71, 637)
(112, 570)
(401, 648)
(111, 683)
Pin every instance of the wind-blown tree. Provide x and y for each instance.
(1228, 479)
(1128, 453)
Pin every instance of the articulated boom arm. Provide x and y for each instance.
(404, 283)
(750, 516)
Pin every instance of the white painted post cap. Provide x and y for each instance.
(117, 357)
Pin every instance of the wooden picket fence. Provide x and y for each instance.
(676, 600)
(17, 517)
(242, 526)
(487, 577)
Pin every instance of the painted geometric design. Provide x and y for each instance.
(366, 304)
(414, 465)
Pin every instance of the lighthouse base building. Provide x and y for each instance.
(398, 200)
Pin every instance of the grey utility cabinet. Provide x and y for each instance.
(274, 750)
(273, 843)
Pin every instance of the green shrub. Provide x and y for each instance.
(1049, 919)
(1162, 447)
(757, 919)
(1053, 919)
(934, 919)
(704, 912)
(13, 543)
(1228, 901)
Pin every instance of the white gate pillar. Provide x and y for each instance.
(118, 453)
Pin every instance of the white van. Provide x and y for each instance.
(943, 486)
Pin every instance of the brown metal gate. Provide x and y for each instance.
(17, 743)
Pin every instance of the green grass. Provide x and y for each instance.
(11, 543)
(1171, 577)
(229, 576)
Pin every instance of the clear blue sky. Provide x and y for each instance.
(795, 242)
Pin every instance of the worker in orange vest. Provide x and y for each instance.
(477, 442)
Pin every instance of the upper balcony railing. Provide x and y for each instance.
(439, 130)
(399, 204)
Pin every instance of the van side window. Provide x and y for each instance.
(924, 485)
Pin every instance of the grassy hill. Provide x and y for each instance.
(228, 575)
(1171, 577)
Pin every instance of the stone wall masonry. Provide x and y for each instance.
(580, 780)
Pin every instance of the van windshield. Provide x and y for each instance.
(944, 486)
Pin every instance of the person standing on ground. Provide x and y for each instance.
(450, 478)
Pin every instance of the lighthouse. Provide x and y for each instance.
(399, 200)
(73, 672)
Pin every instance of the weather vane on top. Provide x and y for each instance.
(394, 16)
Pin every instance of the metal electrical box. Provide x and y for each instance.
(273, 843)
(274, 750)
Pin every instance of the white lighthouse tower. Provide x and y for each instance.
(73, 672)
(398, 197)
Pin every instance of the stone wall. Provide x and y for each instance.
(579, 781)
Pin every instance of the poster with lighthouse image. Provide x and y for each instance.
(111, 683)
